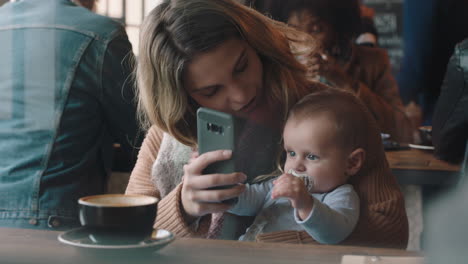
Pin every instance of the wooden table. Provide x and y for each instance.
(38, 246)
(420, 167)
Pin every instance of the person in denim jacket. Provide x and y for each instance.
(65, 99)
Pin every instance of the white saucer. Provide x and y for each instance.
(423, 147)
(83, 239)
(384, 136)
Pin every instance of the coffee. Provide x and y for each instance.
(113, 217)
(117, 200)
(425, 133)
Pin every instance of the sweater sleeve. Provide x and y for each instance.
(332, 220)
(384, 102)
(170, 214)
(171, 217)
(140, 178)
(378, 90)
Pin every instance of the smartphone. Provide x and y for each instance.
(218, 130)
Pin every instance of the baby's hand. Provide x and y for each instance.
(295, 190)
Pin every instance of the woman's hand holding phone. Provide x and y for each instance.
(197, 200)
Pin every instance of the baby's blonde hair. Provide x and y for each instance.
(348, 114)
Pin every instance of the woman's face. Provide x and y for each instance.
(304, 21)
(228, 78)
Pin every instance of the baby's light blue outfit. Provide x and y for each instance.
(332, 219)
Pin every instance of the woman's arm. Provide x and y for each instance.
(170, 213)
(140, 179)
(174, 213)
(379, 91)
(390, 115)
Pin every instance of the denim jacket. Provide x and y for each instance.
(65, 98)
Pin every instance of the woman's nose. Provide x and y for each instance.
(239, 95)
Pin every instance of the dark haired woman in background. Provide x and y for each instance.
(366, 71)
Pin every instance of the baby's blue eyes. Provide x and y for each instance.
(309, 156)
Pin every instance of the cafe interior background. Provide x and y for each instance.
(131, 13)
(388, 22)
(387, 19)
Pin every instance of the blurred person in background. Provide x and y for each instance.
(368, 36)
(431, 29)
(65, 99)
(450, 123)
(366, 71)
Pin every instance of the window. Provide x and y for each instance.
(128, 12)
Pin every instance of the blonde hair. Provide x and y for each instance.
(348, 114)
(175, 31)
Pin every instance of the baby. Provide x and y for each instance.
(324, 149)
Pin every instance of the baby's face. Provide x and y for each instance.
(311, 150)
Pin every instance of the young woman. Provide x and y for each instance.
(225, 56)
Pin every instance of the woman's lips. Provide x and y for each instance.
(248, 107)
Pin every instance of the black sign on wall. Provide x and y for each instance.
(389, 23)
